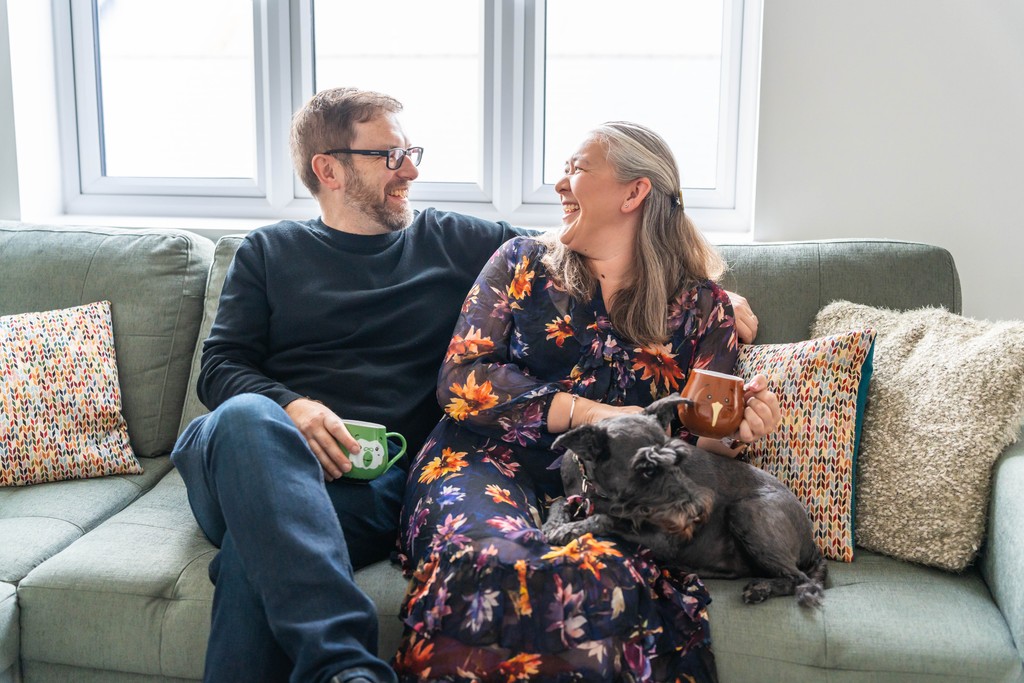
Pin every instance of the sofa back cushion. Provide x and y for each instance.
(223, 253)
(787, 283)
(154, 280)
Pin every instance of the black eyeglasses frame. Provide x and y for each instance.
(394, 157)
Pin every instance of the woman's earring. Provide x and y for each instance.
(626, 205)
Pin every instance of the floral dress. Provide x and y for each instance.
(489, 600)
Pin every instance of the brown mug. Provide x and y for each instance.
(712, 403)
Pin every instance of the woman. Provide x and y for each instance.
(559, 331)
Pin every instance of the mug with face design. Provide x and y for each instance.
(371, 461)
(712, 403)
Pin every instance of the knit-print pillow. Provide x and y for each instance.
(60, 403)
(822, 386)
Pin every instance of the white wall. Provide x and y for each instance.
(902, 120)
(9, 204)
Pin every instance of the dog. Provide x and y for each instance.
(696, 511)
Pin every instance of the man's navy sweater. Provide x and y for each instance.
(359, 322)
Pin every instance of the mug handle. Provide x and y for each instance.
(401, 452)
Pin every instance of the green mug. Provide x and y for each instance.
(371, 462)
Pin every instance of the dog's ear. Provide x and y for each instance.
(651, 460)
(588, 441)
(664, 409)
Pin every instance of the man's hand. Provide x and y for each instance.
(746, 321)
(325, 433)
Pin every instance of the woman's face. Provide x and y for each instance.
(592, 199)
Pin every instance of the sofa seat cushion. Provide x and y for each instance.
(882, 619)
(384, 583)
(138, 585)
(38, 521)
(8, 629)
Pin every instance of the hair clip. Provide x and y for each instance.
(677, 200)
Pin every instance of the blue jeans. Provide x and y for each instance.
(285, 605)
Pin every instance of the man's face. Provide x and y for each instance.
(371, 188)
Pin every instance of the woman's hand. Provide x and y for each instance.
(746, 321)
(762, 414)
(761, 417)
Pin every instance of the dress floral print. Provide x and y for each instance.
(489, 600)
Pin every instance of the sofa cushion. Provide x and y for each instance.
(223, 254)
(138, 585)
(60, 403)
(881, 619)
(38, 521)
(787, 283)
(946, 397)
(9, 639)
(821, 385)
(155, 281)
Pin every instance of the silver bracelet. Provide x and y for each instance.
(572, 410)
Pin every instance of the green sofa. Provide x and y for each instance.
(106, 579)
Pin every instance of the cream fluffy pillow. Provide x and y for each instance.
(946, 397)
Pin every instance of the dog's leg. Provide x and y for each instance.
(557, 514)
(559, 529)
(773, 538)
(811, 593)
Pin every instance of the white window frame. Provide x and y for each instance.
(511, 186)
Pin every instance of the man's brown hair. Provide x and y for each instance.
(327, 121)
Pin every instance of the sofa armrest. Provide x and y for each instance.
(1004, 552)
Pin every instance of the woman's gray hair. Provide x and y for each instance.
(670, 254)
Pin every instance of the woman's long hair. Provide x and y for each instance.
(670, 255)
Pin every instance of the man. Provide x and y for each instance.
(345, 316)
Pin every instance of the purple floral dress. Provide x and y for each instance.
(489, 600)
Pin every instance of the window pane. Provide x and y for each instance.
(177, 88)
(659, 64)
(428, 55)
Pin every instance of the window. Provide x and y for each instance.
(434, 70)
(162, 73)
(182, 107)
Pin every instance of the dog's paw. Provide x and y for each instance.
(810, 594)
(560, 534)
(757, 591)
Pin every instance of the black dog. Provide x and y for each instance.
(695, 510)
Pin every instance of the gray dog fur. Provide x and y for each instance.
(700, 512)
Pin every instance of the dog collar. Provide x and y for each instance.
(584, 506)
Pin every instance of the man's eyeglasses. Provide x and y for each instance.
(395, 156)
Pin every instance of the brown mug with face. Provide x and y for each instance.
(712, 403)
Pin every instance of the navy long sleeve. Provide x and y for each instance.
(360, 322)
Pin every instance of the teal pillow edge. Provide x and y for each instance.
(866, 369)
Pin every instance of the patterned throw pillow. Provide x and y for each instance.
(60, 403)
(822, 386)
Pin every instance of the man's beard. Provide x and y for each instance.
(368, 200)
